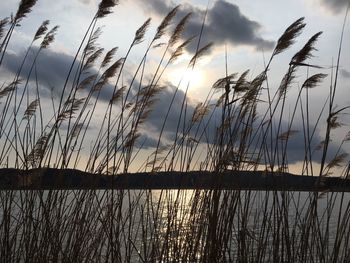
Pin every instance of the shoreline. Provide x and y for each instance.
(72, 179)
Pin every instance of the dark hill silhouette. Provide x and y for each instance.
(49, 178)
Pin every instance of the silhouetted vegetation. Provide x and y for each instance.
(253, 135)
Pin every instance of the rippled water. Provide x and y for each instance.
(177, 225)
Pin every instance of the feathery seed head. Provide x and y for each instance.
(288, 37)
(179, 30)
(3, 23)
(140, 33)
(49, 38)
(41, 30)
(29, 112)
(87, 81)
(9, 88)
(165, 23)
(91, 45)
(306, 51)
(312, 81)
(201, 52)
(109, 56)
(24, 8)
(91, 59)
(104, 8)
(179, 50)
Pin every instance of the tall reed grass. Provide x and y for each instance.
(176, 225)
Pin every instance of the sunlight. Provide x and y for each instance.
(195, 78)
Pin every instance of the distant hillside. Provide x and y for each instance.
(48, 178)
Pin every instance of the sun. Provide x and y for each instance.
(193, 78)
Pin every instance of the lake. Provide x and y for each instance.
(174, 226)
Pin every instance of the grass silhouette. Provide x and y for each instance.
(166, 225)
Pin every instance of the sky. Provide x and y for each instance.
(244, 31)
(248, 30)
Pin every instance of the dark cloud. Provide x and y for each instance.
(345, 73)
(336, 6)
(51, 68)
(157, 6)
(225, 23)
(145, 141)
(163, 102)
(295, 148)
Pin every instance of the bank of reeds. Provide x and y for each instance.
(252, 132)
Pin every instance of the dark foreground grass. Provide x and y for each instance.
(253, 136)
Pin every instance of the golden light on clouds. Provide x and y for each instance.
(194, 78)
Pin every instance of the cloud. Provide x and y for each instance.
(88, 2)
(336, 6)
(296, 145)
(345, 73)
(145, 141)
(225, 23)
(51, 68)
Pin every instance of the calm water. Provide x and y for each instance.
(173, 225)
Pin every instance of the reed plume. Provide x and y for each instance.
(140, 33)
(201, 52)
(108, 57)
(176, 35)
(41, 30)
(49, 38)
(104, 8)
(165, 23)
(288, 37)
(122, 225)
(306, 51)
(109, 73)
(333, 121)
(91, 45)
(36, 155)
(286, 135)
(199, 112)
(92, 58)
(347, 137)
(298, 60)
(180, 49)
(118, 94)
(24, 8)
(131, 139)
(241, 85)
(30, 111)
(3, 24)
(71, 107)
(313, 81)
(9, 88)
(87, 81)
(221, 83)
(336, 161)
(76, 130)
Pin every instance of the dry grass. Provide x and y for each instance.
(165, 226)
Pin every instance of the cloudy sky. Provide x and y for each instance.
(247, 30)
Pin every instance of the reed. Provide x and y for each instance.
(242, 125)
